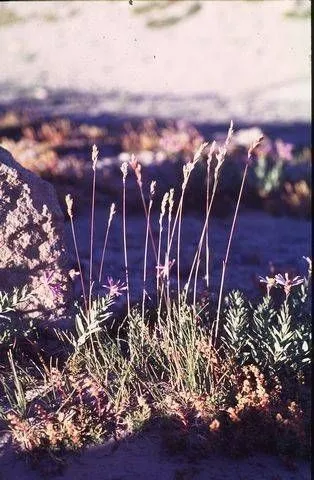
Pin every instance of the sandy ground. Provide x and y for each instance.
(234, 59)
(144, 458)
(281, 241)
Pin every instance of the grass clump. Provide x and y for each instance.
(207, 374)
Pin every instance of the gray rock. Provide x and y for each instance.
(32, 250)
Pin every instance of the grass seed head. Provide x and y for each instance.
(69, 204)
(211, 153)
(137, 167)
(124, 170)
(152, 188)
(253, 147)
(94, 156)
(112, 212)
(199, 151)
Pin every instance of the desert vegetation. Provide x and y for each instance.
(206, 371)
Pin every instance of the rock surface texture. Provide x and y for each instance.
(32, 251)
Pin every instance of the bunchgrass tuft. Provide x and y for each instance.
(198, 367)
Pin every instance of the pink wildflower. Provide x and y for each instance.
(287, 283)
(270, 283)
(284, 150)
(115, 289)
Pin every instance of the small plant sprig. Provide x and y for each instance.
(276, 339)
(12, 326)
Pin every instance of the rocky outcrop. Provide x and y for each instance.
(32, 251)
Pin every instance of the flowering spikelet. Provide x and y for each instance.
(222, 151)
(152, 188)
(199, 152)
(253, 147)
(186, 173)
(124, 170)
(230, 133)
(163, 207)
(69, 204)
(171, 201)
(94, 156)
(112, 212)
(136, 166)
(211, 153)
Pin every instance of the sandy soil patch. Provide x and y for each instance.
(144, 457)
(243, 60)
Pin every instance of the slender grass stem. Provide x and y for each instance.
(69, 203)
(225, 261)
(207, 233)
(152, 190)
(209, 160)
(136, 166)
(178, 257)
(149, 227)
(162, 213)
(196, 261)
(124, 169)
(199, 247)
(94, 160)
(167, 254)
(79, 266)
(111, 214)
(187, 170)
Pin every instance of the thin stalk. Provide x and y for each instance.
(136, 166)
(225, 261)
(152, 191)
(207, 235)
(162, 213)
(196, 260)
(167, 255)
(209, 160)
(124, 169)
(220, 160)
(19, 391)
(69, 203)
(149, 227)
(160, 304)
(79, 265)
(94, 160)
(178, 256)
(111, 214)
(187, 170)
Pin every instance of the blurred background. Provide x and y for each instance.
(204, 61)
